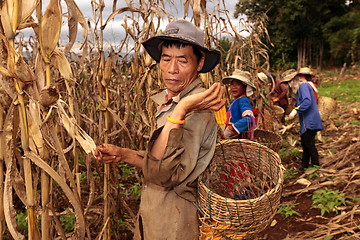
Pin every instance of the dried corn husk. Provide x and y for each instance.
(6, 17)
(50, 28)
(108, 70)
(49, 95)
(62, 64)
(75, 131)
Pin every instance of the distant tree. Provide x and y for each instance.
(295, 28)
(343, 35)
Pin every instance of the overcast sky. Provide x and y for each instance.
(114, 31)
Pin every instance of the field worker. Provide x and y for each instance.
(240, 118)
(279, 94)
(307, 74)
(309, 116)
(184, 142)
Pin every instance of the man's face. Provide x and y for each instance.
(179, 68)
(237, 88)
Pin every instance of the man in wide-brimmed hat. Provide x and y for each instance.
(240, 117)
(309, 116)
(183, 144)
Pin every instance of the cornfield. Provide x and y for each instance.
(56, 104)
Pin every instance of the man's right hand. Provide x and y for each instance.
(108, 153)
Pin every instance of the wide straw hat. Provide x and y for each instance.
(288, 75)
(305, 70)
(185, 32)
(242, 76)
(262, 76)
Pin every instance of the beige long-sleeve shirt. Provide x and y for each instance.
(167, 209)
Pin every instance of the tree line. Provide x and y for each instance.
(308, 32)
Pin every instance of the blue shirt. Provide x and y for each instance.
(306, 107)
(237, 107)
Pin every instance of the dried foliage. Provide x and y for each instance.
(55, 104)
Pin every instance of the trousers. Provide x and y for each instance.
(309, 149)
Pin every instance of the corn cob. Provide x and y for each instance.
(220, 116)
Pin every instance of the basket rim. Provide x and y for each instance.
(250, 142)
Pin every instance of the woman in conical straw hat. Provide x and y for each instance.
(240, 117)
(309, 116)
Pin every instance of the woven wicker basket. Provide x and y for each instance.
(268, 138)
(239, 192)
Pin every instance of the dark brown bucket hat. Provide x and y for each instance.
(186, 32)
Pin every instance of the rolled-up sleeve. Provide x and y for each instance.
(182, 150)
(304, 101)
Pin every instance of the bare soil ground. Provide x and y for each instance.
(340, 165)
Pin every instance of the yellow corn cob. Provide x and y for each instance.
(220, 116)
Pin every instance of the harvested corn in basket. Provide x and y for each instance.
(268, 138)
(239, 193)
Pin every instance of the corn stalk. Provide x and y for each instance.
(2, 149)
(13, 13)
(102, 78)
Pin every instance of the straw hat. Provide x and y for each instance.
(288, 75)
(305, 70)
(262, 76)
(185, 32)
(242, 76)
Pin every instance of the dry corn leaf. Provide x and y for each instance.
(36, 143)
(119, 11)
(196, 12)
(23, 72)
(60, 61)
(9, 210)
(73, 199)
(303, 181)
(6, 21)
(121, 122)
(13, 180)
(39, 72)
(6, 72)
(17, 67)
(75, 131)
(75, 17)
(50, 28)
(27, 8)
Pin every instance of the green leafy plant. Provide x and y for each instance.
(122, 225)
(136, 190)
(292, 152)
(68, 221)
(21, 221)
(328, 200)
(314, 174)
(355, 122)
(290, 173)
(83, 177)
(355, 200)
(287, 210)
(126, 170)
(331, 178)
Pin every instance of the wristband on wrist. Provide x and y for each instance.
(175, 121)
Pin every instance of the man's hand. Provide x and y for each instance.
(212, 99)
(108, 153)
